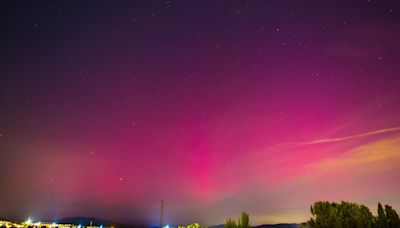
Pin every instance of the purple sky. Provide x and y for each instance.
(216, 106)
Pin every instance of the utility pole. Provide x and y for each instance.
(161, 213)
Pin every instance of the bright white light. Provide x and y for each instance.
(79, 226)
(37, 224)
(101, 226)
(167, 226)
(54, 224)
(29, 221)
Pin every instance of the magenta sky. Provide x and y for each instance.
(217, 107)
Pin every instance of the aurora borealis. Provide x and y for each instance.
(216, 106)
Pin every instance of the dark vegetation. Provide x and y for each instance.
(242, 222)
(345, 214)
(335, 215)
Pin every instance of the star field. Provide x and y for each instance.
(216, 106)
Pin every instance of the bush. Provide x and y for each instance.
(243, 222)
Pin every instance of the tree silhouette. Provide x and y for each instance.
(230, 223)
(245, 221)
(382, 220)
(345, 214)
(392, 217)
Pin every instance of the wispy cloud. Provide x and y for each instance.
(339, 139)
(380, 153)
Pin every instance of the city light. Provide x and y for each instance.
(30, 223)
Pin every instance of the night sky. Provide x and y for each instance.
(216, 106)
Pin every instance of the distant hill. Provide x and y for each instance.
(85, 221)
(281, 225)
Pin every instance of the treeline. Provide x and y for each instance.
(242, 222)
(345, 214)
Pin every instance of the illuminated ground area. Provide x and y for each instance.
(30, 224)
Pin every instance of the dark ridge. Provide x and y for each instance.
(280, 225)
(85, 221)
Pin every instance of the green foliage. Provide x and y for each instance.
(345, 214)
(194, 225)
(381, 220)
(243, 222)
(392, 217)
(230, 223)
